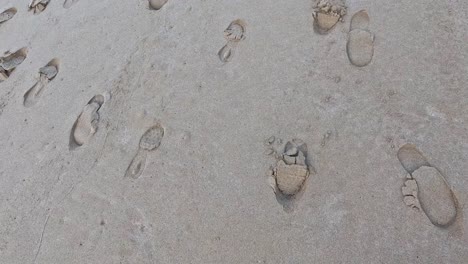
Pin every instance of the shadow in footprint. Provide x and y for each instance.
(427, 187)
(360, 45)
(10, 61)
(37, 6)
(46, 75)
(327, 14)
(68, 3)
(290, 174)
(86, 125)
(150, 141)
(7, 14)
(234, 33)
(156, 4)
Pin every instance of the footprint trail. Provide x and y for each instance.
(426, 188)
(86, 125)
(46, 75)
(150, 141)
(234, 34)
(360, 45)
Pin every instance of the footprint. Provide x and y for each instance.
(86, 125)
(10, 61)
(291, 171)
(360, 45)
(426, 188)
(150, 141)
(46, 74)
(156, 4)
(68, 3)
(37, 6)
(234, 34)
(327, 13)
(7, 14)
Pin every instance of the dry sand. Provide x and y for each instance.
(152, 94)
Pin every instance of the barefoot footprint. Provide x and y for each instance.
(7, 14)
(157, 4)
(426, 188)
(68, 3)
(10, 61)
(360, 45)
(37, 6)
(150, 141)
(327, 13)
(234, 34)
(86, 124)
(46, 75)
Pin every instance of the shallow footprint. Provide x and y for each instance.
(234, 33)
(10, 61)
(37, 6)
(360, 45)
(86, 124)
(150, 141)
(68, 3)
(46, 75)
(7, 14)
(156, 4)
(427, 188)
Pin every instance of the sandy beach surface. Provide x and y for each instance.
(233, 131)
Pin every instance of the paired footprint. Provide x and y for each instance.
(426, 188)
(46, 75)
(10, 61)
(234, 34)
(360, 46)
(150, 141)
(37, 6)
(156, 4)
(86, 125)
(7, 14)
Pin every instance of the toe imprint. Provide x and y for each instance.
(327, 13)
(427, 188)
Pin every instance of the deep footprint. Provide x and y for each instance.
(156, 4)
(360, 45)
(233, 34)
(86, 125)
(427, 188)
(7, 14)
(46, 75)
(37, 6)
(68, 3)
(326, 15)
(150, 141)
(10, 61)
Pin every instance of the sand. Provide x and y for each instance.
(204, 195)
